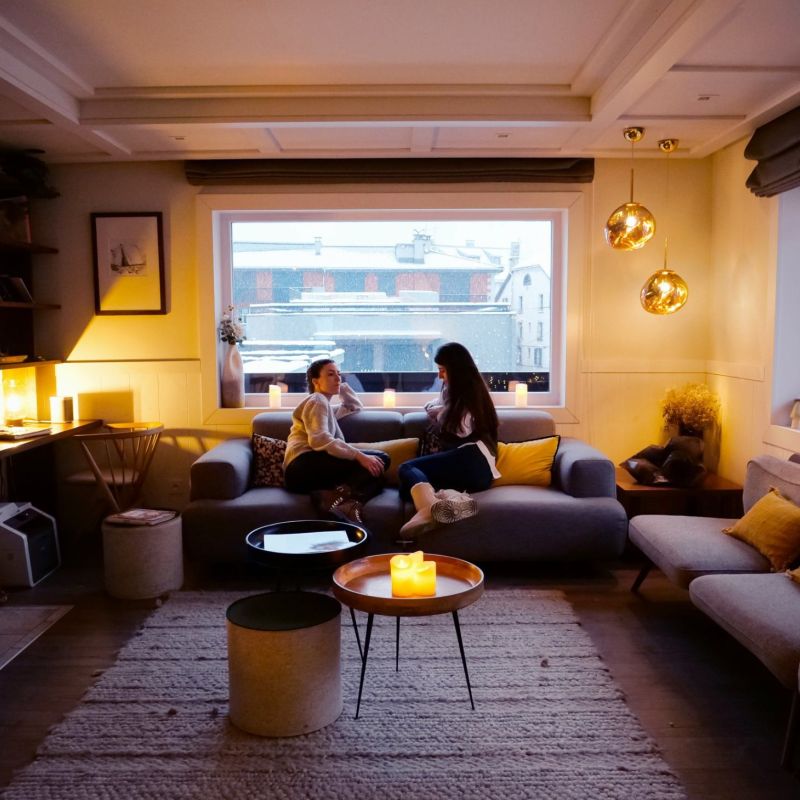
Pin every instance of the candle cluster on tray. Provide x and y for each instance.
(412, 576)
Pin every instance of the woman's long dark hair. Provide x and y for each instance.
(314, 370)
(466, 393)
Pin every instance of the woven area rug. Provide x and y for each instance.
(549, 721)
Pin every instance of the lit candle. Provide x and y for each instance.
(425, 579)
(402, 568)
(521, 395)
(274, 396)
(389, 398)
(57, 409)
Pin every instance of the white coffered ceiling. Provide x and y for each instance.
(104, 80)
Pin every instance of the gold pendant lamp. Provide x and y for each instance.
(665, 292)
(631, 226)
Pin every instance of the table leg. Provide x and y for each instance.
(463, 657)
(364, 661)
(397, 645)
(355, 628)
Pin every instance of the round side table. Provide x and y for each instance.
(142, 562)
(284, 662)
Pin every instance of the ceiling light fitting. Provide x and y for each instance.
(631, 226)
(665, 292)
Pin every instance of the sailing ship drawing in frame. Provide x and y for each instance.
(128, 263)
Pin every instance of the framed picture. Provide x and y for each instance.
(128, 263)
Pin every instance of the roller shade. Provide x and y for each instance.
(253, 172)
(776, 147)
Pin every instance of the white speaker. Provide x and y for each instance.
(28, 545)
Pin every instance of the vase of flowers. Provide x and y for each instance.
(231, 332)
(693, 408)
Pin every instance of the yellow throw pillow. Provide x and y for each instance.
(794, 574)
(399, 450)
(771, 526)
(526, 463)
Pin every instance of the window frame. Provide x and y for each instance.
(566, 209)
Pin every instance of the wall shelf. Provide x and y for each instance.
(28, 364)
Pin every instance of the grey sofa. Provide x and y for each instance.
(578, 517)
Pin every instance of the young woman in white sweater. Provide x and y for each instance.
(318, 460)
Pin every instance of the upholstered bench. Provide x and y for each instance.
(762, 612)
(684, 548)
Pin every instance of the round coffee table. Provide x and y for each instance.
(366, 585)
(306, 544)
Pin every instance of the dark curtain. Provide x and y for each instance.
(776, 147)
(383, 170)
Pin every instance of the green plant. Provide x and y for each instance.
(230, 330)
(692, 406)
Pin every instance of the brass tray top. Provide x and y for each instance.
(366, 585)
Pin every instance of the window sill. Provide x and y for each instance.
(783, 437)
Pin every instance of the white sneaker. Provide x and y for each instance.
(452, 506)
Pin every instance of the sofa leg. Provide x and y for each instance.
(791, 731)
(643, 573)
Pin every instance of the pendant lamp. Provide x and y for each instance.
(665, 292)
(631, 226)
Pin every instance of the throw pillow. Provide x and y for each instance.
(399, 450)
(771, 526)
(794, 574)
(268, 456)
(431, 441)
(526, 463)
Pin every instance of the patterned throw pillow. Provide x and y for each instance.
(268, 456)
(431, 441)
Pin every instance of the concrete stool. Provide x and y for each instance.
(283, 662)
(143, 561)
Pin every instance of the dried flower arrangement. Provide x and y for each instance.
(230, 330)
(693, 407)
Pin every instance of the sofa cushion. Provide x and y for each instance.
(268, 456)
(526, 463)
(398, 450)
(760, 611)
(684, 548)
(766, 472)
(772, 526)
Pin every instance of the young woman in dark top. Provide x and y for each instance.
(466, 421)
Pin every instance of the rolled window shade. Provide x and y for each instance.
(776, 147)
(253, 172)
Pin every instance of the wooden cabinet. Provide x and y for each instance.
(21, 265)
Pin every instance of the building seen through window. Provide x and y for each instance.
(380, 297)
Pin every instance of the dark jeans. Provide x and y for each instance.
(464, 468)
(319, 470)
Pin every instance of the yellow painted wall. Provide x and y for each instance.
(720, 242)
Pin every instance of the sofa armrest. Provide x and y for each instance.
(581, 470)
(222, 473)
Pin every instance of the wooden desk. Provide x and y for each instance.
(27, 467)
(716, 497)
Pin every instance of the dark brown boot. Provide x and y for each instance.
(325, 500)
(349, 511)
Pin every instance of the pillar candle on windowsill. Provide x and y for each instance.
(274, 396)
(521, 395)
(389, 398)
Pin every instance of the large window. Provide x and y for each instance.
(380, 292)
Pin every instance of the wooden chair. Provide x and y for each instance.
(119, 459)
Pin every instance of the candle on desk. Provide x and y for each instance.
(274, 396)
(521, 395)
(57, 409)
(389, 398)
(402, 568)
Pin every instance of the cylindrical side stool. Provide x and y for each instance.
(143, 561)
(284, 662)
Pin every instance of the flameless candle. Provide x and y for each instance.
(425, 579)
(521, 395)
(389, 398)
(402, 568)
(274, 396)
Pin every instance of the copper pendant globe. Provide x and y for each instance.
(664, 292)
(631, 226)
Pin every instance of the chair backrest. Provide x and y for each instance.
(119, 459)
(764, 473)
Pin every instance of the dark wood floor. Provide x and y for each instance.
(715, 712)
